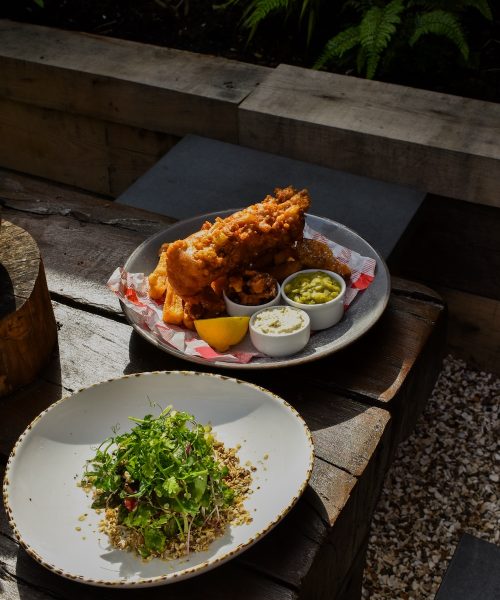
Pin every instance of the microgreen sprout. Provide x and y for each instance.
(162, 476)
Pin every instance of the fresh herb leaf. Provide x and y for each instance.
(163, 475)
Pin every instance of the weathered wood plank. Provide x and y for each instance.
(452, 244)
(42, 197)
(473, 332)
(104, 351)
(52, 144)
(333, 120)
(325, 574)
(132, 152)
(146, 86)
(455, 247)
(361, 371)
(414, 289)
(353, 440)
(376, 365)
(80, 237)
(439, 143)
(18, 409)
(414, 364)
(413, 309)
(287, 553)
(340, 561)
(77, 150)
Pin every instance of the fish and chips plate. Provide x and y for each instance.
(178, 278)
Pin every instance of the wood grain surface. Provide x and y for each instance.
(97, 113)
(78, 150)
(57, 82)
(455, 247)
(81, 238)
(317, 551)
(438, 143)
(145, 86)
(27, 325)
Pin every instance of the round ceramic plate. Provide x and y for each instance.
(363, 313)
(44, 503)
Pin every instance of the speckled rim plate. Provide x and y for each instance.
(44, 503)
(363, 313)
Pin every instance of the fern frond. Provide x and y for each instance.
(258, 10)
(338, 45)
(360, 6)
(361, 60)
(311, 22)
(442, 23)
(225, 5)
(305, 4)
(376, 30)
(482, 6)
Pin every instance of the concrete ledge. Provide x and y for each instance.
(473, 573)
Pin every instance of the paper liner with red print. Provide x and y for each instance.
(132, 290)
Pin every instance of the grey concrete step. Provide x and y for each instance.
(201, 175)
(473, 573)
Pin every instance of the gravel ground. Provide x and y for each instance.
(443, 482)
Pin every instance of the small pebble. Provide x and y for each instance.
(442, 483)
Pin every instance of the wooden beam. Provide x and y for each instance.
(440, 143)
(145, 86)
(455, 247)
(88, 153)
(451, 244)
(435, 142)
(57, 215)
(354, 439)
(473, 329)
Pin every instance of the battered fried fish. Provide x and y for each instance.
(266, 227)
(304, 254)
(313, 254)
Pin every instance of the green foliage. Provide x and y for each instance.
(454, 6)
(399, 23)
(481, 5)
(257, 11)
(442, 23)
(376, 29)
(371, 33)
(339, 44)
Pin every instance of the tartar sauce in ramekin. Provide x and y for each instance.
(279, 320)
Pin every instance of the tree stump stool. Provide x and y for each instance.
(28, 330)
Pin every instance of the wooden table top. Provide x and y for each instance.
(358, 403)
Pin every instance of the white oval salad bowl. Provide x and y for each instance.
(51, 515)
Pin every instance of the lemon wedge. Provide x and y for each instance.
(222, 332)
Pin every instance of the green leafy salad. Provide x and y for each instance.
(167, 487)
